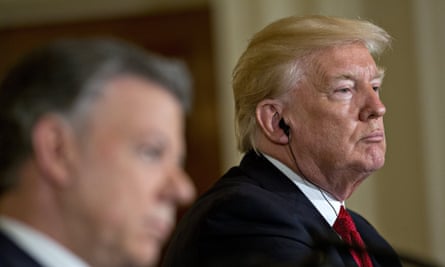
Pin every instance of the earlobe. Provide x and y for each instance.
(51, 144)
(268, 115)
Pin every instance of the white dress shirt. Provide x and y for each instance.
(322, 200)
(42, 248)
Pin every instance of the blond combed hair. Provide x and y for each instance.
(273, 61)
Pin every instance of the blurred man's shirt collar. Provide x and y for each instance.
(313, 193)
(43, 249)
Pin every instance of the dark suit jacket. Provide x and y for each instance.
(13, 256)
(255, 216)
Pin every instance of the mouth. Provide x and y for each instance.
(374, 137)
(160, 229)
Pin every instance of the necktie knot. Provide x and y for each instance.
(345, 227)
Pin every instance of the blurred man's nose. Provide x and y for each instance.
(182, 189)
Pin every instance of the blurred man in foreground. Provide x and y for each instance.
(92, 147)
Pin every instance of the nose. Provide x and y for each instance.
(180, 188)
(373, 106)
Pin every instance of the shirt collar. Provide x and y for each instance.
(322, 200)
(41, 247)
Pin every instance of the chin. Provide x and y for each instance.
(375, 160)
(146, 260)
(366, 168)
(145, 255)
(378, 162)
(374, 166)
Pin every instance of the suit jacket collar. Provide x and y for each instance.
(272, 179)
(266, 175)
(12, 255)
(255, 165)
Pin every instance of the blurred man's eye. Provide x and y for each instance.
(151, 152)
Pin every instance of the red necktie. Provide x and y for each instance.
(345, 227)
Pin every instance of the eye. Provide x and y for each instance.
(152, 152)
(343, 90)
(342, 93)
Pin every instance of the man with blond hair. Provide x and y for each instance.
(309, 119)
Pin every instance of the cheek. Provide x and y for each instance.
(323, 120)
(136, 188)
(326, 130)
(117, 189)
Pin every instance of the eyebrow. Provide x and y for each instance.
(380, 74)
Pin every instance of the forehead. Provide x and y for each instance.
(131, 105)
(138, 93)
(345, 61)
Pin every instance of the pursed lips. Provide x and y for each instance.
(160, 228)
(374, 137)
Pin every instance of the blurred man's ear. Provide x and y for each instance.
(53, 145)
(268, 116)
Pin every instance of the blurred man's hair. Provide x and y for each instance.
(65, 77)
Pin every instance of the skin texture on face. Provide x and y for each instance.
(127, 176)
(336, 120)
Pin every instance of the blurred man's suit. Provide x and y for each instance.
(13, 256)
(264, 217)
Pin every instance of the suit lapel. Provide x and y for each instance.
(382, 254)
(13, 256)
(272, 179)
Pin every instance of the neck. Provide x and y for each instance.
(340, 184)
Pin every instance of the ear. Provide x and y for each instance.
(268, 115)
(52, 141)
